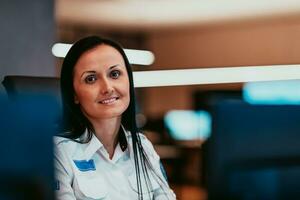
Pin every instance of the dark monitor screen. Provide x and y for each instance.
(253, 152)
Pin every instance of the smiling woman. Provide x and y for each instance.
(100, 153)
(101, 83)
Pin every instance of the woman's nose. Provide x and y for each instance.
(106, 87)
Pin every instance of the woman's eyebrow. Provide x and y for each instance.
(90, 72)
(113, 66)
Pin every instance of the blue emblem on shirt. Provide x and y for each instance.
(85, 165)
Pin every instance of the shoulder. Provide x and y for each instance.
(64, 145)
(146, 143)
(58, 140)
(63, 142)
(145, 140)
(148, 146)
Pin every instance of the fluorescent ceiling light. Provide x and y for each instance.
(60, 50)
(215, 75)
(196, 76)
(137, 57)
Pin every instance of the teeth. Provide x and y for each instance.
(107, 101)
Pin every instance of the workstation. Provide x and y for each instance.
(216, 93)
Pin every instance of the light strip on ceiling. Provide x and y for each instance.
(60, 50)
(137, 57)
(215, 75)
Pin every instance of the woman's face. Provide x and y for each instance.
(101, 83)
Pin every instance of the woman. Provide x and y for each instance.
(101, 154)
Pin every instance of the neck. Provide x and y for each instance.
(106, 130)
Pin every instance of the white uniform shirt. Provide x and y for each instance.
(84, 171)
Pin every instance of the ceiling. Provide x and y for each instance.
(149, 15)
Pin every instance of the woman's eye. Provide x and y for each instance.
(115, 74)
(90, 79)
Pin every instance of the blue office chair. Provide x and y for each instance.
(28, 122)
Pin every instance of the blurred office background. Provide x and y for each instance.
(180, 119)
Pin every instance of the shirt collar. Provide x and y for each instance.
(95, 143)
(92, 146)
(123, 138)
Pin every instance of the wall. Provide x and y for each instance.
(26, 37)
(240, 44)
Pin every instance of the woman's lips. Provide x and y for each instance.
(109, 100)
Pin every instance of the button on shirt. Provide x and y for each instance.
(84, 171)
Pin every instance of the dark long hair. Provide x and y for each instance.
(75, 123)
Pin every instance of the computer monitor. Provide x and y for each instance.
(253, 152)
(187, 125)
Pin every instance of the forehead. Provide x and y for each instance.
(100, 56)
